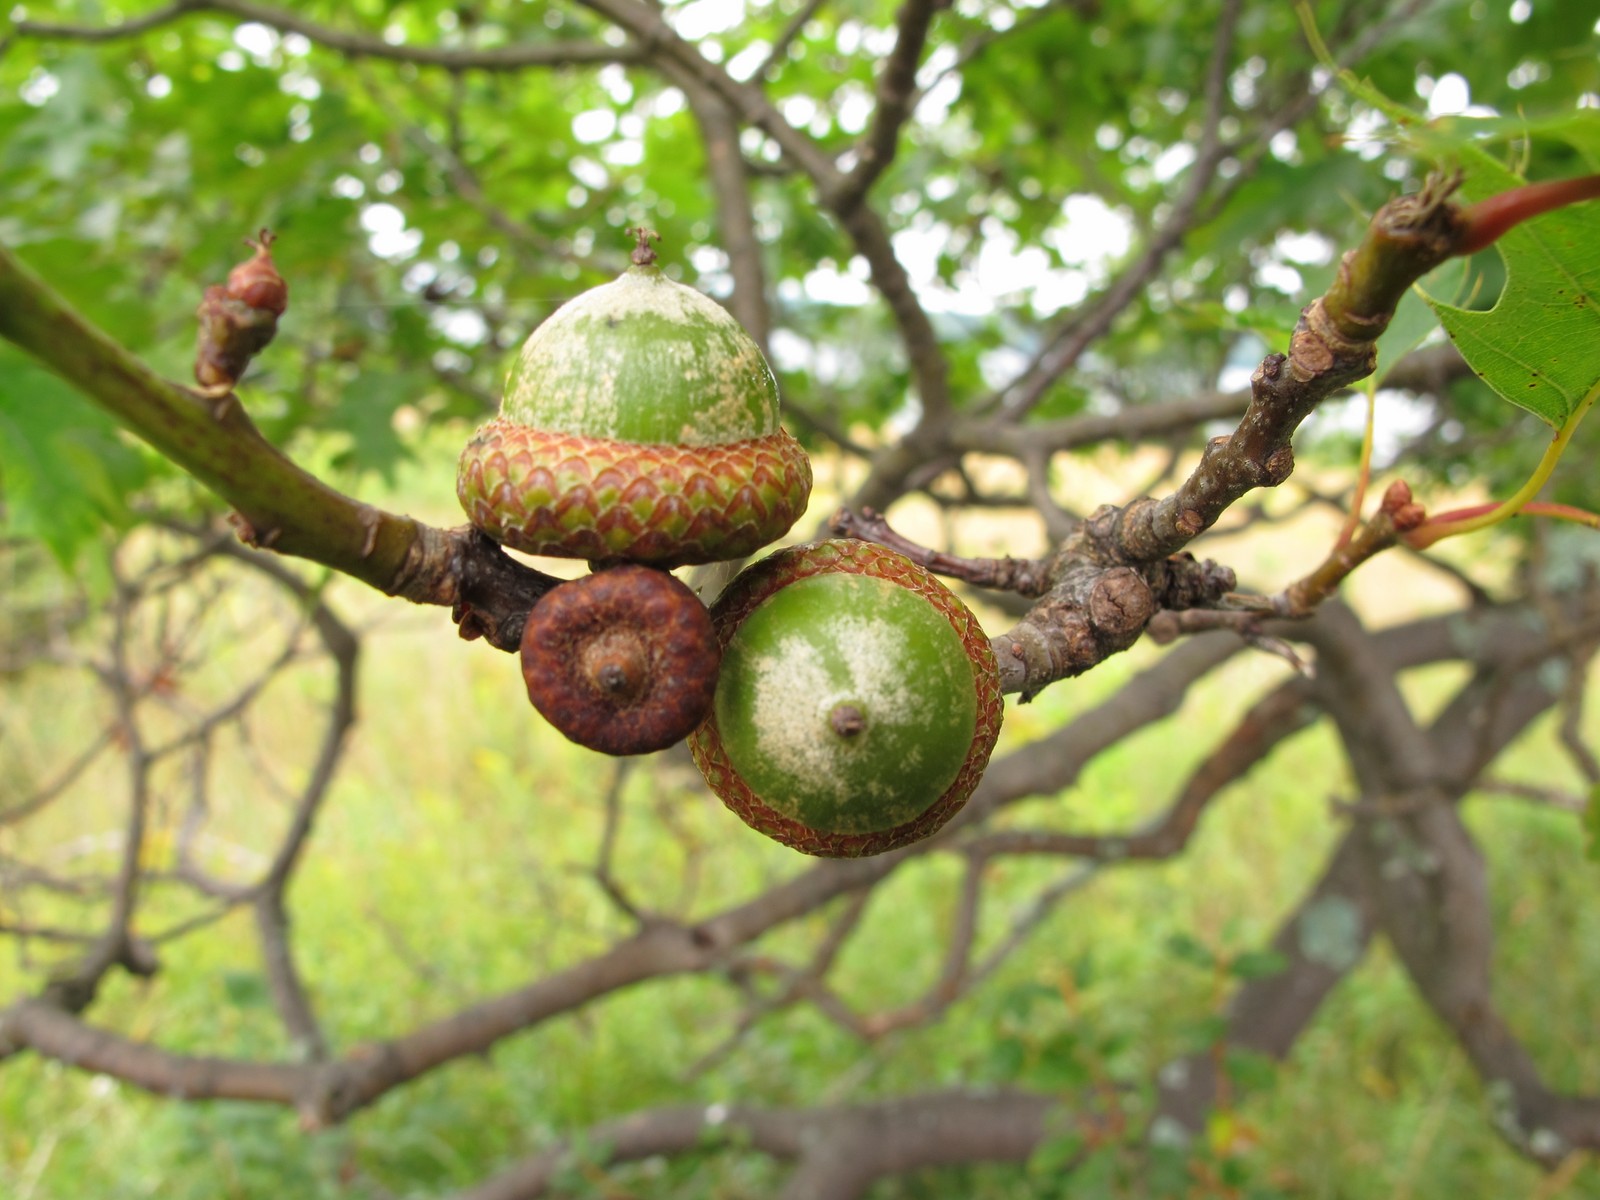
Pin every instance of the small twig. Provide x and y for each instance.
(564, 52)
(897, 83)
(1168, 625)
(954, 979)
(603, 874)
(729, 173)
(780, 46)
(1395, 516)
(1072, 339)
(1280, 713)
(68, 776)
(284, 981)
(1025, 576)
(1570, 731)
(1536, 793)
(799, 984)
(527, 243)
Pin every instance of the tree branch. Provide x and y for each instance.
(1424, 871)
(281, 506)
(791, 31)
(1332, 346)
(1275, 717)
(730, 183)
(897, 83)
(330, 1091)
(355, 45)
(839, 1150)
(1080, 331)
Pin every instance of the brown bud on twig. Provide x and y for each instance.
(239, 318)
(256, 281)
(1402, 510)
(1396, 496)
(1408, 517)
(624, 661)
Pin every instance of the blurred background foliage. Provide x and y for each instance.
(428, 220)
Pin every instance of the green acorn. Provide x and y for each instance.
(857, 704)
(640, 424)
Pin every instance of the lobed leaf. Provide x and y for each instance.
(1539, 346)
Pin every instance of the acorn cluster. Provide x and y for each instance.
(840, 699)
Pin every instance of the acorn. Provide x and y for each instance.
(639, 424)
(857, 704)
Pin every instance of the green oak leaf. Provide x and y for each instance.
(1539, 346)
(366, 412)
(65, 475)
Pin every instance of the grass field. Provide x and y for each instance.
(453, 860)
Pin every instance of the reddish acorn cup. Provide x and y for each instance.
(858, 700)
(623, 661)
(640, 424)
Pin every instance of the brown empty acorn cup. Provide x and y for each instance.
(623, 661)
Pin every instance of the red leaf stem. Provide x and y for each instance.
(1491, 217)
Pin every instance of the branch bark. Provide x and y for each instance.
(356, 45)
(897, 84)
(281, 506)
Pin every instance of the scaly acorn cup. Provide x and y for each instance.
(858, 700)
(623, 661)
(640, 424)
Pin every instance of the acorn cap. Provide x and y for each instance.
(601, 499)
(623, 661)
(640, 423)
(857, 704)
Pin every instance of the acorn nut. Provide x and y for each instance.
(857, 704)
(639, 424)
